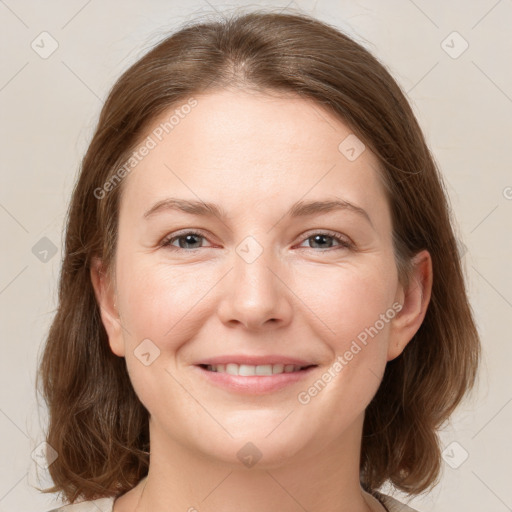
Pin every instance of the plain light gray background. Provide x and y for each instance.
(463, 100)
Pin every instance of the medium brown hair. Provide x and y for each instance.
(97, 425)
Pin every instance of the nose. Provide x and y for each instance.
(256, 295)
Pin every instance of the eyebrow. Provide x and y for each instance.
(299, 209)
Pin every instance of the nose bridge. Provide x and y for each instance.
(255, 296)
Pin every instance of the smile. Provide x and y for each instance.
(247, 370)
(253, 380)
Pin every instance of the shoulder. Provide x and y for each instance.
(392, 504)
(99, 505)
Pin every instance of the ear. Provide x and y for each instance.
(105, 296)
(414, 300)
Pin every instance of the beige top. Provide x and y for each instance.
(107, 504)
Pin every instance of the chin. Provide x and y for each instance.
(264, 446)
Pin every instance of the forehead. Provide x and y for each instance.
(237, 146)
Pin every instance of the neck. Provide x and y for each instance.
(183, 479)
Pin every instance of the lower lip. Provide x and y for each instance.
(254, 384)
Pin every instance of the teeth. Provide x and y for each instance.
(246, 370)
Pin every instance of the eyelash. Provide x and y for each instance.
(343, 242)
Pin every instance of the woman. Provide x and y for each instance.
(261, 303)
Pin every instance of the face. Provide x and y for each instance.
(292, 266)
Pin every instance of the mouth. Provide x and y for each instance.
(253, 379)
(247, 370)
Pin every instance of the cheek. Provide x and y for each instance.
(350, 304)
(160, 308)
(157, 300)
(348, 301)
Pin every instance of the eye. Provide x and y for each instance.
(191, 240)
(185, 240)
(324, 239)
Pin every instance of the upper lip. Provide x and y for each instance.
(255, 360)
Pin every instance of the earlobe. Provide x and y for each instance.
(106, 300)
(415, 300)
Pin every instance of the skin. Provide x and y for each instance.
(255, 155)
